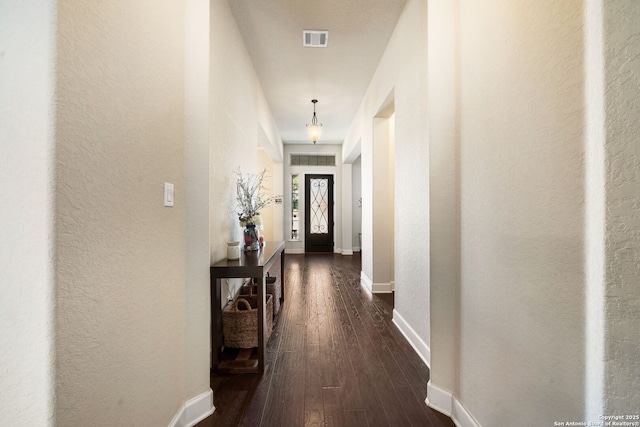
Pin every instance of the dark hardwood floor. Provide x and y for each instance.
(334, 359)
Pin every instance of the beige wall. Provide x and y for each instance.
(511, 233)
(383, 181)
(197, 306)
(521, 130)
(133, 275)
(136, 91)
(120, 253)
(268, 214)
(621, 380)
(272, 215)
(512, 149)
(534, 189)
(444, 200)
(239, 121)
(27, 244)
(405, 87)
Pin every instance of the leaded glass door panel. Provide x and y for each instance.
(318, 213)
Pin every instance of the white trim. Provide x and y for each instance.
(294, 251)
(347, 252)
(418, 344)
(357, 249)
(439, 399)
(382, 288)
(337, 250)
(462, 417)
(443, 401)
(375, 288)
(365, 281)
(194, 410)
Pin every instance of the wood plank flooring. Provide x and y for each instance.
(334, 359)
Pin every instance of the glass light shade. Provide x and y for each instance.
(314, 132)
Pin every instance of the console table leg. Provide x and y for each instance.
(282, 292)
(262, 322)
(216, 322)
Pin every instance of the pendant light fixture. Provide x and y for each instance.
(314, 128)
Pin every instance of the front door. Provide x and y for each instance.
(318, 213)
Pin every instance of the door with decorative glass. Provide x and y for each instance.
(318, 213)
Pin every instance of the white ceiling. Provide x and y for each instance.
(337, 76)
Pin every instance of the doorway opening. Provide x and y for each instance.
(318, 213)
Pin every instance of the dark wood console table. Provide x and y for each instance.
(250, 265)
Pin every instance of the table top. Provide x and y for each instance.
(251, 260)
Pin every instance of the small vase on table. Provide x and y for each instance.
(251, 239)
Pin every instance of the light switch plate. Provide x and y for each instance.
(168, 194)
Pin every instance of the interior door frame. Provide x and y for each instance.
(309, 245)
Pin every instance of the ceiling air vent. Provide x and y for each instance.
(315, 38)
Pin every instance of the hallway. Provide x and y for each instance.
(334, 359)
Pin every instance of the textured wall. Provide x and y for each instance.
(27, 301)
(198, 310)
(622, 233)
(268, 214)
(411, 225)
(411, 168)
(444, 195)
(522, 211)
(356, 206)
(383, 206)
(239, 121)
(120, 254)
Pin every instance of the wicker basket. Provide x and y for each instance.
(240, 322)
(273, 288)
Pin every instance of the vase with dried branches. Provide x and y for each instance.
(250, 200)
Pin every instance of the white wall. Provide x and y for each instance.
(522, 164)
(346, 211)
(27, 244)
(197, 305)
(506, 171)
(622, 188)
(356, 202)
(239, 121)
(121, 255)
(132, 335)
(383, 204)
(407, 84)
(522, 172)
(444, 202)
(274, 219)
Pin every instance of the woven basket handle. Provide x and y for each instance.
(241, 300)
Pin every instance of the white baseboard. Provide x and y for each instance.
(443, 401)
(439, 399)
(347, 252)
(366, 282)
(462, 417)
(294, 251)
(194, 410)
(375, 288)
(382, 288)
(337, 250)
(357, 249)
(418, 344)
